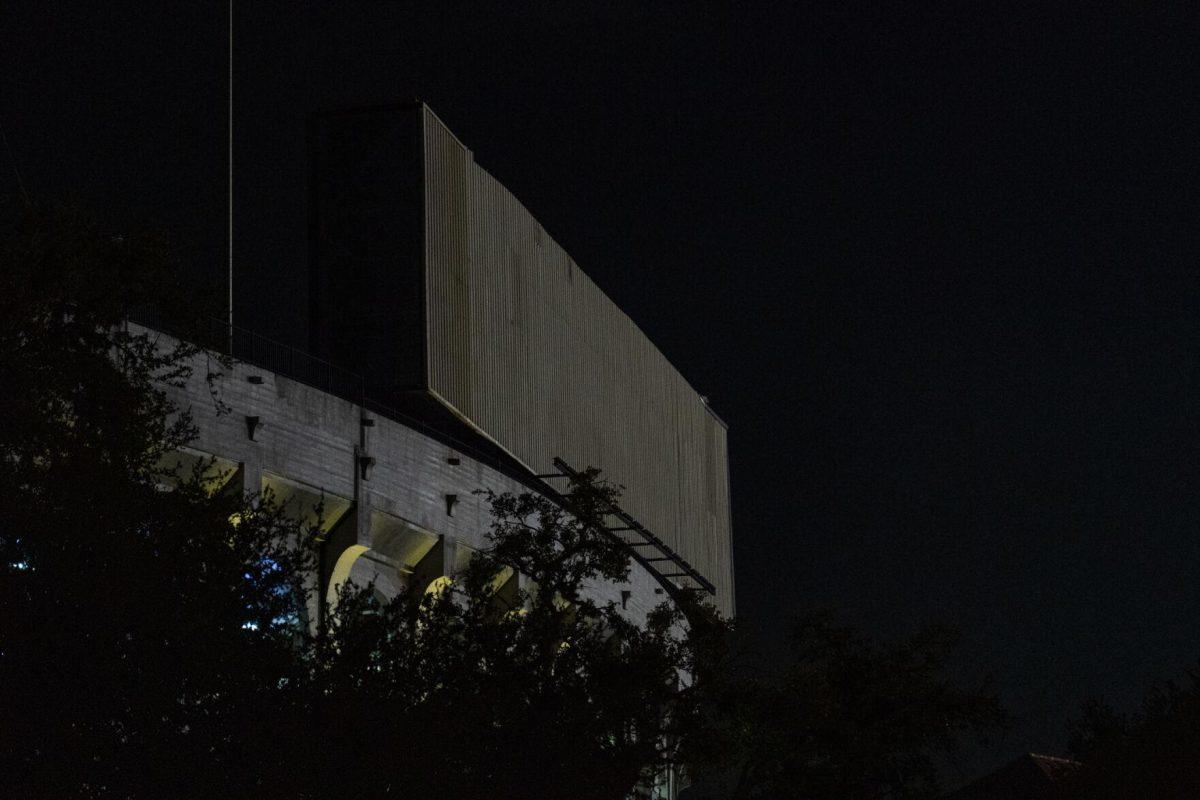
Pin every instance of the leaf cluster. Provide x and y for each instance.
(138, 626)
(1154, 752)
(541, 692)
(848, 718)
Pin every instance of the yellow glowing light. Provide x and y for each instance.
(341, 571)
(439, 586)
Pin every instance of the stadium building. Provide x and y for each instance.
(455, 346)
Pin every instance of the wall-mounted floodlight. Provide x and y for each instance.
(364, 466)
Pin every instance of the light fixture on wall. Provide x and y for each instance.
(364, 466)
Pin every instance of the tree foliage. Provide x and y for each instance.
(550, 694)
(127, 658)
(1152, 753)
(847, 719)
(153, 643)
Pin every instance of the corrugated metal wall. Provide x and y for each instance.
(447, 179)
(531, 352)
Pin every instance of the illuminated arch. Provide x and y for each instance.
(439, 588)
(360, 565)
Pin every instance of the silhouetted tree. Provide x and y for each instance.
(1153, 753)
(847, 719)
(129, 654)
(548, 694)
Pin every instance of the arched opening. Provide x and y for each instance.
(361, 566)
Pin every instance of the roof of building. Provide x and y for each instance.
(1030, 777)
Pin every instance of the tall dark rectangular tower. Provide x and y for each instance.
(366, 265)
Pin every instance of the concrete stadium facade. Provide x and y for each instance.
(399, 505)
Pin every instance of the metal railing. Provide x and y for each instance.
(633, 535)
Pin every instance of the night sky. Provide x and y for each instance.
(938, 271)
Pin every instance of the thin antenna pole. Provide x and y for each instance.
(230, 177)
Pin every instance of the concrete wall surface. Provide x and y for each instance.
(307, 445)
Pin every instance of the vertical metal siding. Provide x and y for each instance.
(447, 167)
(525, 346)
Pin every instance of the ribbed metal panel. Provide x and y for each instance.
(534, 355)
(447, 167)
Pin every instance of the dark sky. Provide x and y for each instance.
(938, 270)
